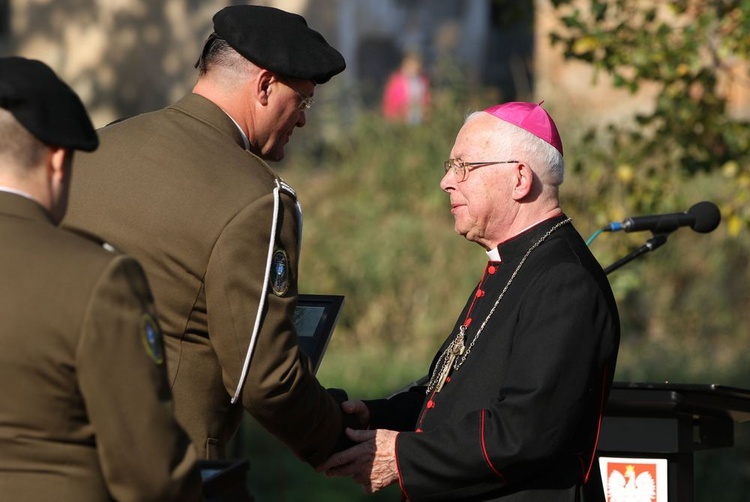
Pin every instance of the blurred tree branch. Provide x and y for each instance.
(696, 53)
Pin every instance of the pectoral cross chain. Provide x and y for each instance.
(456, 349)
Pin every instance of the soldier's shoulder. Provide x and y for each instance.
(83, 253)
(92, 241)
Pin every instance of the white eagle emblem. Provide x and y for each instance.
(629, 487)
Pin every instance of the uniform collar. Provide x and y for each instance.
(4, 188)
(211, 114)
(21, 205)
(245, 139)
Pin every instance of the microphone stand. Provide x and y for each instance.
(652, 244)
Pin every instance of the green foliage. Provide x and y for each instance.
(688, 148)
(684, 310)
(692, 52)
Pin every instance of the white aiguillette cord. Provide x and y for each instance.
(263, 295)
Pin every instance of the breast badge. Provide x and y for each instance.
(280, 273)
(151, 336)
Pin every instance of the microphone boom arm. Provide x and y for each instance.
(652, 244)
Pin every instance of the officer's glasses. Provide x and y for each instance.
(305, 102)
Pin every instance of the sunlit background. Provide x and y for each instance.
(652, 99)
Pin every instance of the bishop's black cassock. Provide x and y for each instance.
(519, 419)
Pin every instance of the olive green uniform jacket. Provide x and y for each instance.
(176, 189)
(85, 413)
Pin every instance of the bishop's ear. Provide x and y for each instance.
(524, 181)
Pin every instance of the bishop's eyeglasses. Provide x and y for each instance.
(461, 168)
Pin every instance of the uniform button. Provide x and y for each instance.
(430, 404)
(480, 293)
(491, 269)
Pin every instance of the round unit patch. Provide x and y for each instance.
(280, 273)
(151, 336)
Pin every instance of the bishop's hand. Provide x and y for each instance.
(371, 462)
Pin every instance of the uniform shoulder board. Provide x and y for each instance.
(117, 121)
(109, 247)
(94, 238)
(289, 190)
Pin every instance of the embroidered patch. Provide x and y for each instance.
(151, 336)
(280, 273)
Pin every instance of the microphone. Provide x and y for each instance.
(703, 217)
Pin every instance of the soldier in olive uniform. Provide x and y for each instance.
(85, 413)
(187, 191)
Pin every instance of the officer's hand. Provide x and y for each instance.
(359, 410)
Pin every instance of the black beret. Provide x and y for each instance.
(278, 41)
(45, 105)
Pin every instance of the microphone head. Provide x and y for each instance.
(707, 217)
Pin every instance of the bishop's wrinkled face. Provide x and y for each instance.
(481, 201)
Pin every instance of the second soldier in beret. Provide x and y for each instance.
(187, 191)
(85, 413)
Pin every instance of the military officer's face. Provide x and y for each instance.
(292, 99)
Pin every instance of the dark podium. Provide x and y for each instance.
(672, 422)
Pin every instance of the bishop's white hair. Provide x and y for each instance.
(510, 141)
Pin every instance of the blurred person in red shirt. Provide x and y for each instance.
(406, 97)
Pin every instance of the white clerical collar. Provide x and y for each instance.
(494, 255)
(17, 192)
(244, 136)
